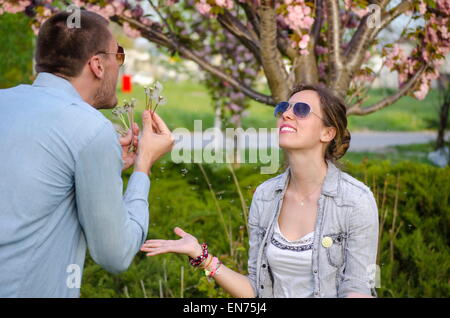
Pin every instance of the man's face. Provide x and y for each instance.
(105, 97)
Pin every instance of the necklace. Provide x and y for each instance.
(302, 201)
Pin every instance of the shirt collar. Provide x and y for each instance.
(330, 183)
(59, 84)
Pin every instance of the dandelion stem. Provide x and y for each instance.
(124, 122)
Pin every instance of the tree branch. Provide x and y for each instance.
(235, 27)
(252, 16)
(259, 97)
(272, 60)
(357, 110)
(334, 28)
(150, 34)
(315, 33)
(339, 77)
(285, 48)
(364, 35)
(173, 44)
(164, 20)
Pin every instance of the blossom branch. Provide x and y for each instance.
(252, 17)
(235, 27)
(357, 110)
(365, 35)
(318, 21)
(171, 43)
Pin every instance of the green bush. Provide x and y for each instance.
(413, 201)
(16, 50)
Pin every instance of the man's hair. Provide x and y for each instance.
(65, 50)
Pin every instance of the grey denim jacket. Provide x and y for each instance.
(347, 218)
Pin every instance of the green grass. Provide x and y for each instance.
(189, 101)
(407, 114)
(417, 153)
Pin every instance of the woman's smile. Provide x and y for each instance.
(287, 129)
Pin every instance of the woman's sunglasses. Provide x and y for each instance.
(301, 110)
(120, 55)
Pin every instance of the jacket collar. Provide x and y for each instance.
(330, 184)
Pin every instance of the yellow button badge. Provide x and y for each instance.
(327, 241)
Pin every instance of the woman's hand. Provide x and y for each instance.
(187, 245)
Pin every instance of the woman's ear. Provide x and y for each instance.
(96, 66)
(328, 133)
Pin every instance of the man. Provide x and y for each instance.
(61, 164)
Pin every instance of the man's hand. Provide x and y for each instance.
(156, 140)
(129, 158)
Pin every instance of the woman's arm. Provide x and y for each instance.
(361, 249)
(237, 285)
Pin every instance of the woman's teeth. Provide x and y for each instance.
(287, 129)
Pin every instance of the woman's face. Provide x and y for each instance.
(303, 133)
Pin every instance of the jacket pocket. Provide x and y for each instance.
(336, 252)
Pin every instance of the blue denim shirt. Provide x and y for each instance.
(347, 218)
(61, 190)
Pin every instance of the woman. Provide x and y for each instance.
(313, 229)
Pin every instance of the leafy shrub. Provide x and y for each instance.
(413, 202)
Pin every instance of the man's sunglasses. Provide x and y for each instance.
(301, 110)
(120, 55)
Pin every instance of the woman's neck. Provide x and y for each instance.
(307, 172)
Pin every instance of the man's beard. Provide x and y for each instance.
(105, 97)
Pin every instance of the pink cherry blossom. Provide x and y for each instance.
(129, 31)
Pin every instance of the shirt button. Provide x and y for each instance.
(315, 271)
(262, 286)
(316, 293)
(264, 265)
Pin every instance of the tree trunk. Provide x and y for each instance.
(444, 88)
(218, 117)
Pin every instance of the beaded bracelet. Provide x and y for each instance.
(216, 263)
(198, 260)
(214, 272)
(217, 269)
(209, 263)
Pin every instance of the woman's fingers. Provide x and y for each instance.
(156, 251)
(150, 245)
(155, 244)
(155, 241)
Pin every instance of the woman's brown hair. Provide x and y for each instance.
(334, 115)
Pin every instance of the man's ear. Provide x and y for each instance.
(328, 133)
(96, 66)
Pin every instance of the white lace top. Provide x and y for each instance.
(291, 265)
